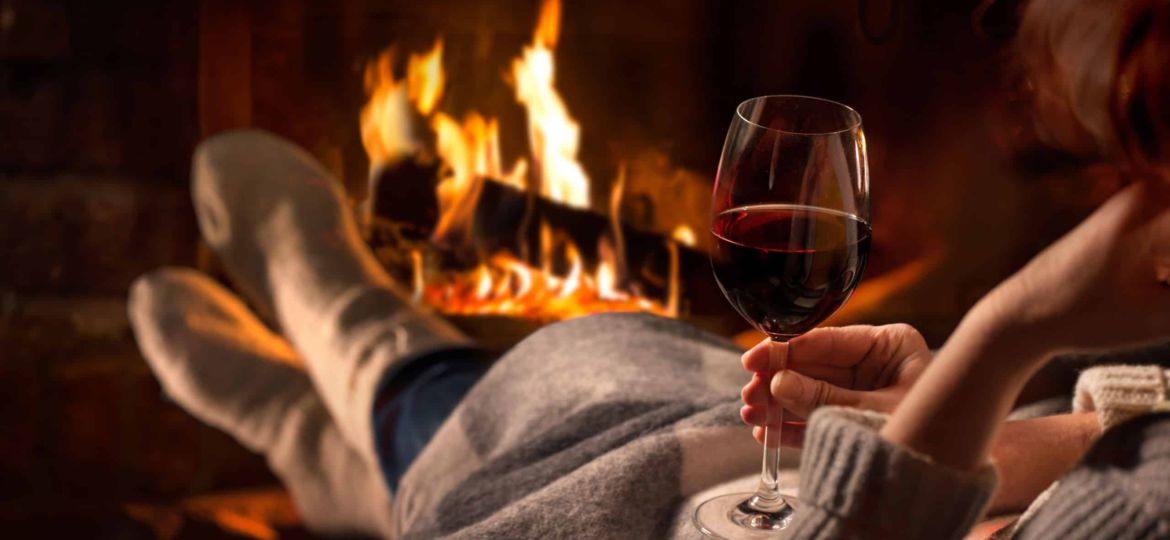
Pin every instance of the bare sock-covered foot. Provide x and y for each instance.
(222, 365)
(279, 223)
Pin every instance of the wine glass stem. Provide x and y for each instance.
(767, 497)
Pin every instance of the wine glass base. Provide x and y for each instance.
(729, 517)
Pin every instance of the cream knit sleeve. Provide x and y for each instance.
(1119, 393)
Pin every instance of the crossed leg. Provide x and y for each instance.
(218, 361)
(279, 223)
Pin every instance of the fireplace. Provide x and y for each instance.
(104, 104)
(639, 93)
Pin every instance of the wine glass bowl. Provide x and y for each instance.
(791, 220)
(786, 268)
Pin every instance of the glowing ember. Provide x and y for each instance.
(469, 151)
(505, 285)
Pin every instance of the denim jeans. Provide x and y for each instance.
(414, 401)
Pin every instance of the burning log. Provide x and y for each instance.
(506, 219)
(405, 193)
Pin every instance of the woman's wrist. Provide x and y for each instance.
(954, 410)
(1012, 341)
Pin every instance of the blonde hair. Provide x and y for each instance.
(1100, 71)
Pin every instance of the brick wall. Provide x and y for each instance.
(98, 116)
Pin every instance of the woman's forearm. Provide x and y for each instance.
(1031, 454)
(954, 411)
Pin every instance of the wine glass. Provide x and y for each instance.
(790, 215)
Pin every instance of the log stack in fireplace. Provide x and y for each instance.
(479, 241)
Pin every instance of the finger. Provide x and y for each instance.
(752, 415)
(802, 395)
(756, 391)
(766, 357)
(838, 375)
(757, 415)
(791, 436)
(840, 346)
(757, 358)
(899, 352)
(859, 357)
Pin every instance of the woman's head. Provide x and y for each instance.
(1100, 70)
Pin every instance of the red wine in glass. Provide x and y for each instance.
(787, 267)
(791, 221)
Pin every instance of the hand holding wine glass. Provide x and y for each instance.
(861, 366)
(790, 216)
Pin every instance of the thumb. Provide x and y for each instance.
(802, 395)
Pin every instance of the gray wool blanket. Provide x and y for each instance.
(617, 425)
(600, 427)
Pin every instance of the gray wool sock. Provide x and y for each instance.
(279, 223)
(223, 366)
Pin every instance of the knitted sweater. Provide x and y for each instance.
(858, 485)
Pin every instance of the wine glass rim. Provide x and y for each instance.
(853, 124)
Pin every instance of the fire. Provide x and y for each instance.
(607, 273)
(385, 119)
(548, 24)
(552, 133)
(425, 78)
(471, 153)
(506, 285)
(684, 235)
(469, 150)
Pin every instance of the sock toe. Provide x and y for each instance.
(213, 356)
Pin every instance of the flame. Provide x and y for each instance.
(506, 285)
(607, 273)
(483, 285)
(546, 246)
(574, 279)
(672, 293)
(553, 135)
(616, 194)
(425, 78)
(548, 24)
(418, 281)
(385, 119)
(469, 151)
(459, 187)
(684, 235)
(471, 154)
